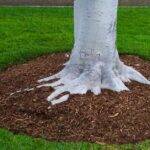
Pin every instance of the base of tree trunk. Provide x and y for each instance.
(94, 63)
(80, 78)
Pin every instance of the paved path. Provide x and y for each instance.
(66, 2)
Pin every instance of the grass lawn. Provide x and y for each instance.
(8, 141)
(28, 32)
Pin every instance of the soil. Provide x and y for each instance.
(108, 118)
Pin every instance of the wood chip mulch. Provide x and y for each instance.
(108, 118)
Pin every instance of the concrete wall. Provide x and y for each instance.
(67, 2)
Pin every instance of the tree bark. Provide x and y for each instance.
(94, 62)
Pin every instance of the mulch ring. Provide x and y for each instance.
(108, 118)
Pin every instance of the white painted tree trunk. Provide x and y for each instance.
(94, 63)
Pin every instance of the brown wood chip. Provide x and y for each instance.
(109, 118)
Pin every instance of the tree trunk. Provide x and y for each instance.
(94, 63)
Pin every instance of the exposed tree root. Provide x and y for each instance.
(78, 79)
(91, 78)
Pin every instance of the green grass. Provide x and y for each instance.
(28, 32)
(133, 31)
(9, 141)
